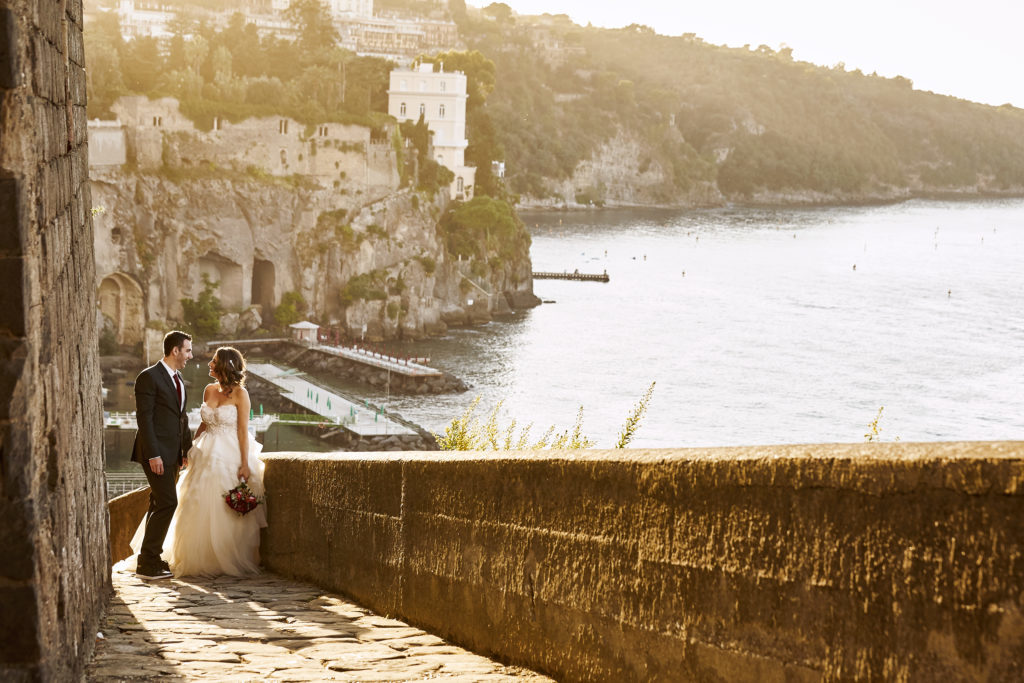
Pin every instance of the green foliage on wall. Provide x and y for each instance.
(365, 286)
(203, 316)
(292, 309)
(429, 264)
(482, 228)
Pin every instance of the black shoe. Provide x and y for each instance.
(166, 567)
(153, 574)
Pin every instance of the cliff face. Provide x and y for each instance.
(373, 269)
(626, 171)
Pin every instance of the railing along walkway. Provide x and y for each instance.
(266, 627)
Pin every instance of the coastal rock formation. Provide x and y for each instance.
(624, 171)
(365, 255)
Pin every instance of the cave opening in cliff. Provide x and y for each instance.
(228, 278)
(263, 286)
(120, 304)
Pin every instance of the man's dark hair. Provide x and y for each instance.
(174, 339)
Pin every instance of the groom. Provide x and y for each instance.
(161, 445)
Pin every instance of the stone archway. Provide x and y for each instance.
(263, 283)
(121, 305)
(228, 275)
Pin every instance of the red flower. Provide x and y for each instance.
(241, 499)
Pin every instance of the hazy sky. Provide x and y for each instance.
(969, 48)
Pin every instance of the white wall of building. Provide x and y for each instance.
(107, 143)
(441, 97)
(350, 8)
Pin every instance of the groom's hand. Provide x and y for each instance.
(156, 465)
(184, 462)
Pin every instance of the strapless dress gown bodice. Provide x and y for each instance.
(219, 418)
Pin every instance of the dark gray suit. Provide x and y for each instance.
(163, 433)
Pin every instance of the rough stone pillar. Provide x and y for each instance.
(54, 576)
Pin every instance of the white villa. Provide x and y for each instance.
(441, 97)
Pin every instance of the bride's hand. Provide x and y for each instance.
(244, 472)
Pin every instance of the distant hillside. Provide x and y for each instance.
(594, 115)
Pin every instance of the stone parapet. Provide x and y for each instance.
(869, 561)
(126, 512)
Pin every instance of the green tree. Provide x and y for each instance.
(291, 310)
(103, 77)
(203, 315)
(141, 64)
(312, 19)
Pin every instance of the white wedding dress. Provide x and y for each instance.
(206, 537)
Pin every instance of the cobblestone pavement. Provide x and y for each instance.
(268, 628)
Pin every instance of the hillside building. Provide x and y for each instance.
(440, 96)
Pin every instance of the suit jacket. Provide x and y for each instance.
(163, 425)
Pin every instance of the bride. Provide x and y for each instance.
(206, 537)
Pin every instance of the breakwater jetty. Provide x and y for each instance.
(575, 275)
(355, 364)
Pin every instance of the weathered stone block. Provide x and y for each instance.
(76, 46)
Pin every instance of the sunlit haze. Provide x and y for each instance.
(970, 50)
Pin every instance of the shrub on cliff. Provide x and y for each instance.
(365, 286)
(484, 227)
(292, 309)
(203, 316)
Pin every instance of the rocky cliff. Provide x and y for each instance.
(371, 267)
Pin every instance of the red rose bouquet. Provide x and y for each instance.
(241, 499)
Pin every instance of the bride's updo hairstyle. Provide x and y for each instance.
(230, 368)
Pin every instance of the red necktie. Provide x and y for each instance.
(177, 384)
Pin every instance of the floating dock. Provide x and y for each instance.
(360, 419)
(576, 275)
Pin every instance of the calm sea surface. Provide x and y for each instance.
(760, 326)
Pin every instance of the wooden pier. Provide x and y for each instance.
(576, 275)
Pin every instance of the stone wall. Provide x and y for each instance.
(337, 155)
(796, 563)
(53, 523)
(126, 512)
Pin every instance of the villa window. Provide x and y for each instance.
(282, 126)
(158, 120)
(443, 86)
(216, 123)
(322, 131)
(405, 84)
(423, 86)
(401, 109)
(423, 108)
(440, 111)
